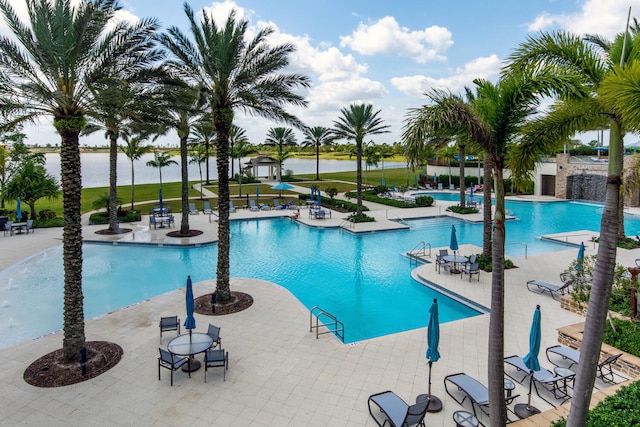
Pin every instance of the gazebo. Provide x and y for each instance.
(255, 163)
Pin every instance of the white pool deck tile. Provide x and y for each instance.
(279, 373)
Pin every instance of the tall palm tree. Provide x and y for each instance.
(161, 160)
(134, 151)
(237, 135)
(242, 148)
(48, 70)
(493, 121)
(316, 137)
(385, 151)
(355, 123)
(198, 156)
(593, 59)
(241, 75)
(280, 137)
(371, 156)
(204, 133)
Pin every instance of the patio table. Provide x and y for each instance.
(190, 345)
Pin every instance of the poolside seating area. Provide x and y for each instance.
(572, 357)
(462, 387)
(558, 382)
(395, 411)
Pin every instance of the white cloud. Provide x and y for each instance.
(386, 36)
(221, 10)
(603, 17)
(479, 68)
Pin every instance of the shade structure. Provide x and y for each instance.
(453, 245)
(471, 191)
(433, 340)
(601, 148)
(531, 361)
(435, 177)
(319, 199)
(160, 201)
(18, 209)
(580, 258)
(282, 186)
(190, 321)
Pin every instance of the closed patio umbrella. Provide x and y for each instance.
(580, 259)
(433, 340)
(531, 361)
(190, 321)
(257, 193)
(160, 201)
(453, 245)
(319, 199)
(18, 210)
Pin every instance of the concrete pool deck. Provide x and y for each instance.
(279, 373)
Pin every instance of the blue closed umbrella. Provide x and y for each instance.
(190, 321)
(453, 245)
(160, 197)
(433, 340)
(257, 193)
(471, 191)
(531, 361)
(580, 259)
(415, 179)
(319, 199)
(18, 210)
(435, 177)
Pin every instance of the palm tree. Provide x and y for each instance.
(385, 151)
(31, 182)
(594, 60)
(316, 137)
(241, 75)
(237, 135)
(371, 156)
(357, 122)
(134, 151)
(242, 148)
(48, 69)
(161, 160)
(493, 121)
(198, 156)
(204, 133)
(280, 137)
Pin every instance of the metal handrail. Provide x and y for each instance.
(338, 326)
(519, 243)
(415, 252)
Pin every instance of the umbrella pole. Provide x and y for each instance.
(525, 410)
(435, 404)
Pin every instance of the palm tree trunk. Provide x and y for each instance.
(497, 407)
(207, 166)
(32, 208)
(240, 176)
(74, 338)
(222, 119)
(601, 287)
(621, 233)
(184, 223)
(113, 182)
(462, 186)
(359, 178)
(317, 162)
(133, 181)
(486, 207)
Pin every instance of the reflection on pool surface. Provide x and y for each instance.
(363, 280)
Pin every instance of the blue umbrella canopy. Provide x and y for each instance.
(580, 258)
(433, 333)
(18, 209)
(453, 245)
(531, 359)
(282, 186)
(190, 321)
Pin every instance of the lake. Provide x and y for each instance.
(95, 168)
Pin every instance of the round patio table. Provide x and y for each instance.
(190, 345)
(455, 260)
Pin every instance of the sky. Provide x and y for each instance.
(380, 52)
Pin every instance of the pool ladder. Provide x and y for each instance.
(332, 324)
(418, 251)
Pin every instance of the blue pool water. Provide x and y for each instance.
(363, 280)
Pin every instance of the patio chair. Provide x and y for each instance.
(171, 222)
(440, 262)
(396, 411)
(30, 226)
(192, 209)
(554, 290)
(232, 209)
(557, 383)
(277, 204)
(253, 206)
(206, 209)
(169, 323)
(292, 205)
(471, 270)
(7, 228)
(605, 371)
(473, 258)
(170, 361)
(320, 214)
(471, 389)
(217, 358)
(153, 222)
(214, 333)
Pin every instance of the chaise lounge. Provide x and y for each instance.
(396, 411)
(605, 371)
(557, 383)
(554, 290)
(471, 389)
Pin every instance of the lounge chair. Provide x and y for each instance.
(232, 209)
(292, 205)
(170, 361)
(557, 383)
(252, 205)
(217, 358)
(169, 323)
(214, 333)
(206, 209)
(605, 371)
(192, 209)
(396, 411)
(472, 389)
(471, 270)
(554, 290)
(277, 204)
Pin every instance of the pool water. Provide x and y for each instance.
(361, 279)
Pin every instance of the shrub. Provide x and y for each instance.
(46, 214)
(423, 201)
(362, 218)
(619, 409)
(626, 337)
(485, 263)
(463, 211)
(98, 218)
(48, 223)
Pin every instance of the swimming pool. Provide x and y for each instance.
(361, 279)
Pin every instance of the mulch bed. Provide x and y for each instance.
(108, 232)
(239, 301)
(52, 371)
(191, 233)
